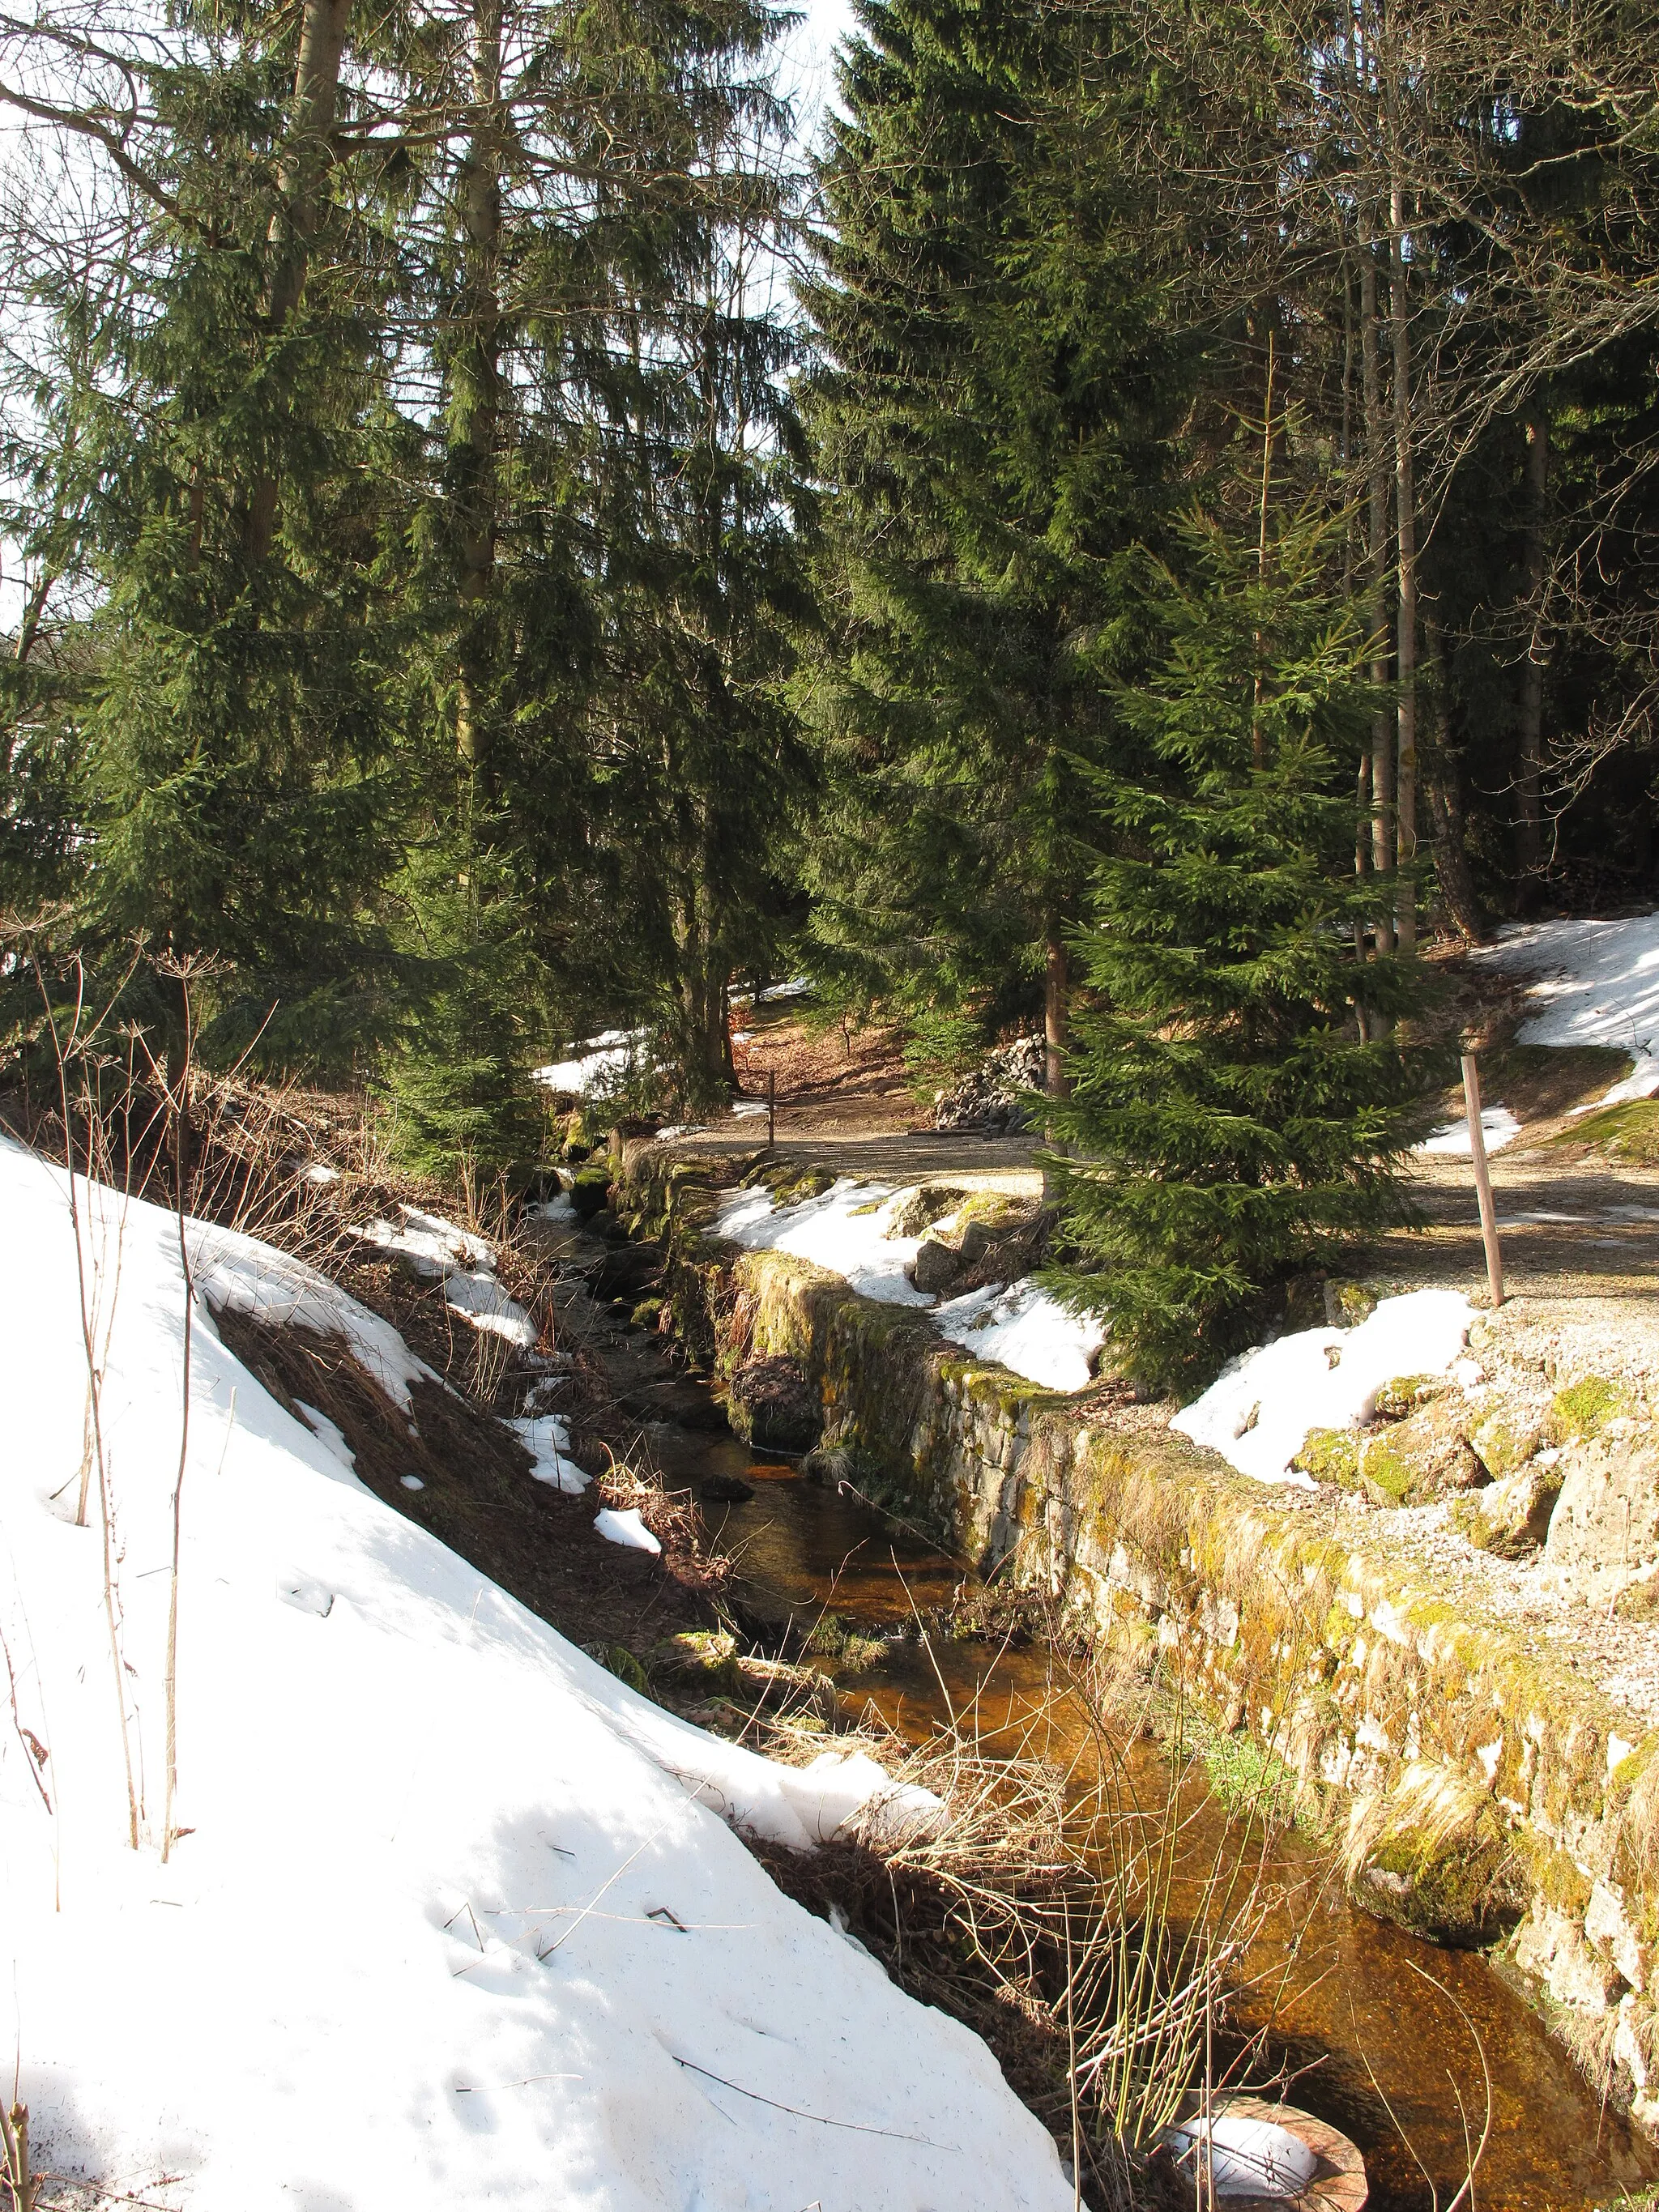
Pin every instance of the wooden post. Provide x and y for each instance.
(771, 1105)
(1483, 1179)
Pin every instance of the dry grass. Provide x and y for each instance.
(1082, 1931)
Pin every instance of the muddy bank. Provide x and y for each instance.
(1473, 1788)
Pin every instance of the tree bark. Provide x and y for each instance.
(300, 184)
(1443, 788)
(1376, 470)
(1405, 496)
(1054, 1014)
(475, 391)
(1530, 778)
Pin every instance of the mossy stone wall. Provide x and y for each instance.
(1472, 1784)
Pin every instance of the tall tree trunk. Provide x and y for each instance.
(1376, 471)
(476, 378)
(300, 184)
(1529, 777)
(1443, 788)
(1054, 1013)
(1405, 498)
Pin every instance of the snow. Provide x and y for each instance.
(1248, 2157)
(849, 1231)
(1028, 1330)
(459, 1918)
(1600, 985)
(439, 1251)
(547, 1439)
(1260, 1410)
(332, 1434)
(622, 1525)
(411, 1482)
(595, 1063)
(238, 1275)
(838, 1231)
(1499, 1128)
(320, 1174)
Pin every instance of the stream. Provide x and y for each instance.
(1376, 2049)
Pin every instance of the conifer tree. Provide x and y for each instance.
(210, 436)
(990, 418)
(1230, 1128)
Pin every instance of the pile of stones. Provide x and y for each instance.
(990, 1098)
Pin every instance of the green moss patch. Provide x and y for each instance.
(1584, 1408)
(1629, 1131)
(1330, 1455)
(1402, 1394)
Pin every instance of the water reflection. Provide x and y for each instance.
(1379, 2050)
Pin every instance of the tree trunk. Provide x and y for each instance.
(1053, 1015)
(1530, 778)
(475, 387)
(1377, 468)
(300, 184)
(1443, 788)
(1405, 496)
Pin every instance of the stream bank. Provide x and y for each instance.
(1474, 1789)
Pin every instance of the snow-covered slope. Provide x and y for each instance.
(458, 1920)
(1598, 984)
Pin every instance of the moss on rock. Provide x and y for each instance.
(1330, 1455)
(1584, 1409)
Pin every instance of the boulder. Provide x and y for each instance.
(1400, 1462)
(725, 1490)
(589, 1191)
(1400, 1397)
(1507, 1440)
(1511, 1516)
(686, 1404)
(935, 1266)
(918, 1207)
(773, 1405)
(624, 1270)
(1604, 1532)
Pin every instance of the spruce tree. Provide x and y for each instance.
(1228, 1128)
(208, 426)
(992, 418)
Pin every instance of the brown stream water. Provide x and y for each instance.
(1351, 2012)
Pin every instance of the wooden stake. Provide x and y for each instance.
(1483, 1179)
(771, 1105)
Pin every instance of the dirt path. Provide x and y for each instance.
(1567, 1230)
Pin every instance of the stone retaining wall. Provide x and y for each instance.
(1471, 1782)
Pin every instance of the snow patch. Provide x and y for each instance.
(547, 1439)
(839, 1231)
(595, 1064)
(850, 1231)
(622, 1525)
(1499, 1128)
(1028, 1330)
(1599, 986)
(459, 1917)
(235, 1273)
(1261, 1409)
(438, 1251)
(328, 1432)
